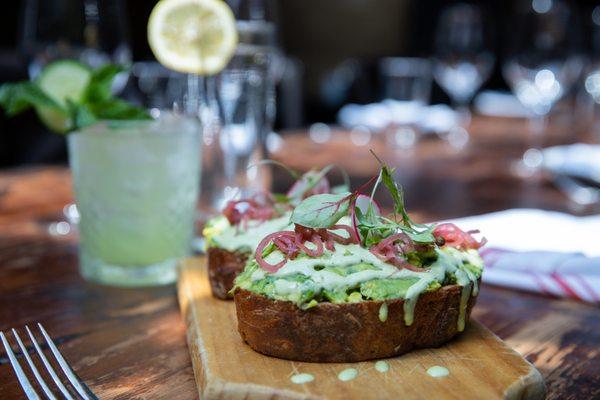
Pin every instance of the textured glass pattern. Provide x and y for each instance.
(136, 187)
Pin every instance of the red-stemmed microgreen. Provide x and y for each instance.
(395, 239)
(311, 182)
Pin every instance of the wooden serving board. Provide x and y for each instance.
(481, 365)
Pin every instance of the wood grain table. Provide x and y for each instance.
(130, 343)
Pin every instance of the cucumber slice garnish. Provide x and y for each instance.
(62, 80)
(65, 79)
(55, 119)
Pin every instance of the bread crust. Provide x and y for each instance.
(347, 332)
(223, 267)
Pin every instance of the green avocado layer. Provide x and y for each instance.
(376, 289)
(353, 274)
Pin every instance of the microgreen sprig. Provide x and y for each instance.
(306, 182)
(323, 211)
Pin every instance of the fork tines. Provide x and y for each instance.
(77, 388)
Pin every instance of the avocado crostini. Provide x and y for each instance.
(348, 284)
(232, 236)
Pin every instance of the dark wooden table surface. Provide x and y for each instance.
(130, 343)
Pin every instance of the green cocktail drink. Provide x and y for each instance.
(136, 187)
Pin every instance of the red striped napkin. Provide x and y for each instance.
(541, 251)
(557, 274)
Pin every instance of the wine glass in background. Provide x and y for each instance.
(237, 111)
(259, 53)
(589, 102)
(155, 87)
(407, 91)
(406, 79)
(243, 104)
(463, 59)
(542, 64)
(94, 32)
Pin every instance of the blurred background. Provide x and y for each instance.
(488, 110)
(333, 53)
(477, 88)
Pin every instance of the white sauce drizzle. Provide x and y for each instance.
(234, 238)
(450, 261)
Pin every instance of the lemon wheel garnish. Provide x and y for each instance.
(193, 36)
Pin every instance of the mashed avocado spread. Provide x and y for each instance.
(342, 249)
(352, 273)
(218, 232)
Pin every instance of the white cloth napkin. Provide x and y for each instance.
(541, 251)
(579, 159)
(437, 118)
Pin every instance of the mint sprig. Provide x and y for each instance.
(100, 87)
(97, 102)
(18, 97)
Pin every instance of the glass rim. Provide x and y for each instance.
(115, 126)
(401, 66)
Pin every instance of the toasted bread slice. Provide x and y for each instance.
(223, 267)
(347, 332)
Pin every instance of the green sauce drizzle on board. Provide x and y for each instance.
(438, 372)
(382, 366)
(348, 374)
(302, 378)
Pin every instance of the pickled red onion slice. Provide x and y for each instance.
(291, 243)
(352, 236)
(455, 237)
(392, 250)
(283, 243)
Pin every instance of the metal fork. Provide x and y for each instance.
(82, 391)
